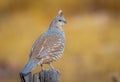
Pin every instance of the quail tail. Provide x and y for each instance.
(30, 66)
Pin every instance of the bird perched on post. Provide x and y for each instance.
(49, 46)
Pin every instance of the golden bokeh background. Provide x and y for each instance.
(92, 52)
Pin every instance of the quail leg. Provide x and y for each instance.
(42, 67)
(51, 67)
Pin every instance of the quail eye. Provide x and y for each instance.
(59, 20)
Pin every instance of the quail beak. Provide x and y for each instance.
(65, 22)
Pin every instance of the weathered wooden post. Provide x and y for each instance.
(26, 77)
(45, 75)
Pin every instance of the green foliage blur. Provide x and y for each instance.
(92, 52)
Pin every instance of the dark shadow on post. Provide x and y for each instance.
(45, 75)
(26, 77)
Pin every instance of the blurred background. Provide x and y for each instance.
(92, 52)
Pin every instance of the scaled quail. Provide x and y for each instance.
(49, 46)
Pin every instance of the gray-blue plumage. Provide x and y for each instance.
(29, 66)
